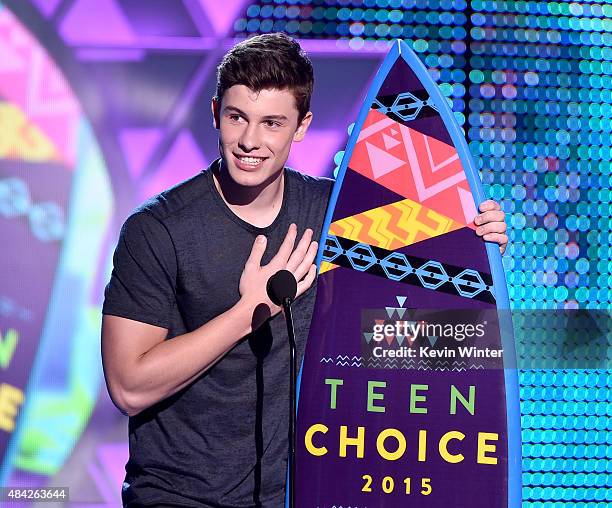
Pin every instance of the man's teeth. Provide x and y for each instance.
(251, 160)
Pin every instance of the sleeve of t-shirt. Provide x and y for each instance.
(142, 286)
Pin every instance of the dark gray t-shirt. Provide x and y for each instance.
(221, 441)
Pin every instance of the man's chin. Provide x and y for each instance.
(247, 178)
(253, 178)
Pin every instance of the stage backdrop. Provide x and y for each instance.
(104, 103)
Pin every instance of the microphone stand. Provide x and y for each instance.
(281, 289)
(292, 397)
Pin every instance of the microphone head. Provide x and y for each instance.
(280, 286)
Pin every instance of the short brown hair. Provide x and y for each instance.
(268, 61)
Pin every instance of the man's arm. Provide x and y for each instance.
(141, 368)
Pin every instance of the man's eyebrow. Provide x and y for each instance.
(282, 118)
(234, 109)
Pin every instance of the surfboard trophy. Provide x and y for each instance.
(408, 391)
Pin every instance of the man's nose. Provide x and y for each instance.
(249, 140)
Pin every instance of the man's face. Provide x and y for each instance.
(256, 130)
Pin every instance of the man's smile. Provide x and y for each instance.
(248, 161)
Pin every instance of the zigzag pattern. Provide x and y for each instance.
(391, 363)
(411, 364)
(394, 225)
(401, 363)
(343, 361)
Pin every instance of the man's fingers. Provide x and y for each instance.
(491, 227)
(498, 238)
(257, 252)
(300, 251)
(306, 261)
(286, 247)
(491, 216)
(307, 281)
(489, 205)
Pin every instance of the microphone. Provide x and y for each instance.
(281, 287)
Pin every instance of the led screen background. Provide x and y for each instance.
(112, 100)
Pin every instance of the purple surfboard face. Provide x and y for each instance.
(402, 395)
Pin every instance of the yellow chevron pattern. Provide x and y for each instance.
(395, 225)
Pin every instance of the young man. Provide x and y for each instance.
(209, 408)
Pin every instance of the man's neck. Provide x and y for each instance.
(258, 205)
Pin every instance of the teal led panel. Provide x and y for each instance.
(540, 81)
(531, 83)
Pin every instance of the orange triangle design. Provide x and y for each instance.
(382, 162)
(432, 173)
(440, 154)
(390, 142)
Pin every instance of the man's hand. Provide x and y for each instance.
(255, 277)
(492, 224)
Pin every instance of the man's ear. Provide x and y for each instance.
(303, 127)
(214, 107)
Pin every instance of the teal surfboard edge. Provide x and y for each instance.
(513, 420)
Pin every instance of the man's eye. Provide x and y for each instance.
(272, 123)
(235, 118)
